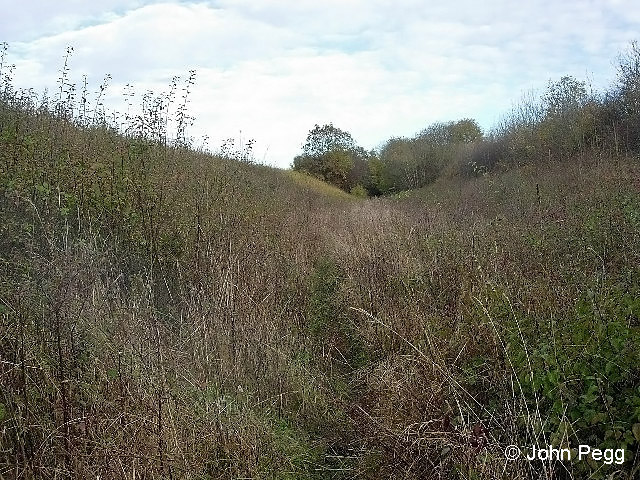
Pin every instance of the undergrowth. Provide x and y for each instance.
(170, 313)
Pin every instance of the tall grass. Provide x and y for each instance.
(168, 313)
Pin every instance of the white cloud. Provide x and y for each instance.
(274, 69)
(29, 20)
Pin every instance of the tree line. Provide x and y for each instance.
(568, 119)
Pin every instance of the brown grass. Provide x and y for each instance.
(166, 313)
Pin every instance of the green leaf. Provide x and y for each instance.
(599, 417)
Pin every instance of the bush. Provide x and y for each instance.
(359, 191)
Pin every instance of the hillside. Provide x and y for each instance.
(168, 313)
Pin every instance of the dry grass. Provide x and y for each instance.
(166, 313)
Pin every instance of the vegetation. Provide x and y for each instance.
(331, 154)
(567, 120)
(169, 313)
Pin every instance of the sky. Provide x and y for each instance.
(271, 70)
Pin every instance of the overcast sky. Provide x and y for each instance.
(273, 69)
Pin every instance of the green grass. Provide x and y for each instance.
(315, 185)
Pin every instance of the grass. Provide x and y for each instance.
(168, 313)
(313, 184)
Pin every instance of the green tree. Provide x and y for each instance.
(325, 139)
(378, 183)
(331, 154)
(564, 131)
(416, 162)
(466, 130)
(336, 165)
(400, 168)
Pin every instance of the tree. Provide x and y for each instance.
(400, 169)
(325, 139)
(562, 130)
(629, 95)
(336, 165)
(564, 96)
(360, 173)
(378, 183)
(330, 154)
(445, 134)
(466, 130)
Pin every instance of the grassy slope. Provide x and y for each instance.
(316, 185)
(166, 313)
